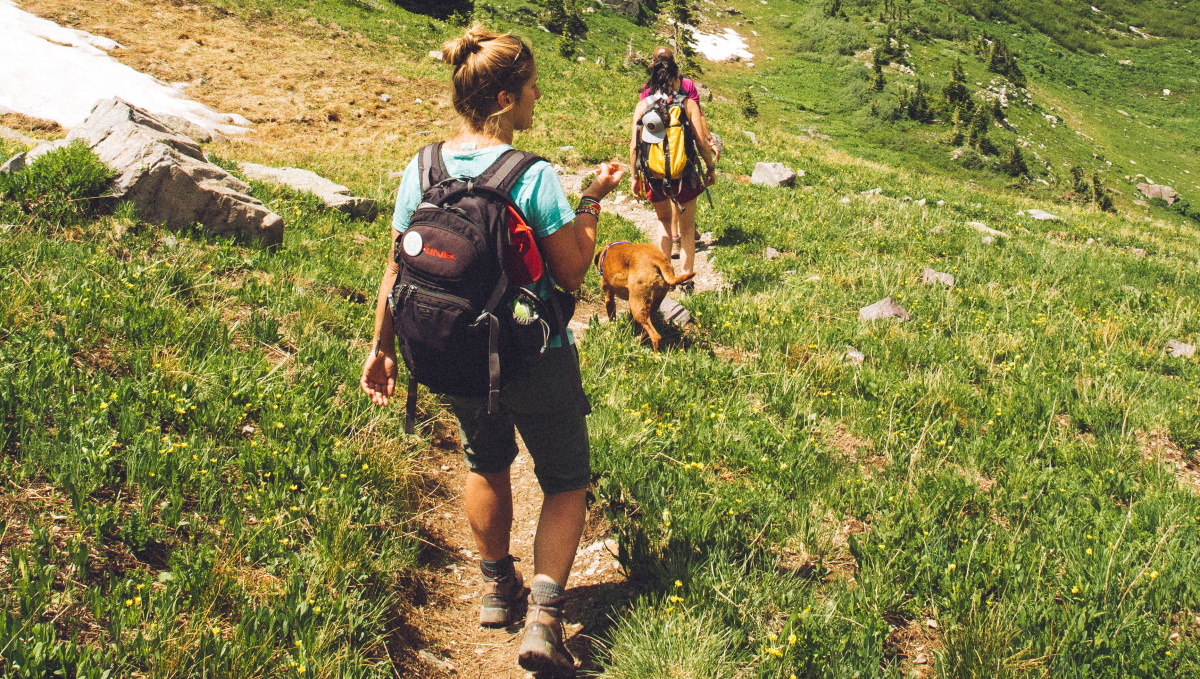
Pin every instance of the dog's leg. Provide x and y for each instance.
(642, 313)
(610, 303)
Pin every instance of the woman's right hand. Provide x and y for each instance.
(379, 376)
(609, 175)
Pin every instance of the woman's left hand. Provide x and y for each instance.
(609, 175)
(710, 177)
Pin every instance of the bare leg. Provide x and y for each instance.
(559, 528)
(490, 512)
(687, 235)
(664, 209)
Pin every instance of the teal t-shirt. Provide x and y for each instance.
(538, 193)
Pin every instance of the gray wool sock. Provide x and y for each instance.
(500, 570)
(545, 593)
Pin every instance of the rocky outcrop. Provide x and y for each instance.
(167, 177)
(334, 195)
(1158, 191)
(773, 174)
(884, 308)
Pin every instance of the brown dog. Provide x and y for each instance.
(642, 275)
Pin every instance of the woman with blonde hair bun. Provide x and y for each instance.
(495, 92)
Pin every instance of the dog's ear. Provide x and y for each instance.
(596, 259)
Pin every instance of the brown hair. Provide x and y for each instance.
(486, 64)
(663, 71)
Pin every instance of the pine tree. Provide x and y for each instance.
(981, 120)
(1014, 162)
(1100, 195)
(961, 122)
(1079, 183)
(878, 82)
(956, 91)
(918, 104)
(681, 15)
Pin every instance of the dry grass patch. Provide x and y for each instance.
(1157, 446)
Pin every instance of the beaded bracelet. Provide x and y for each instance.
(593, 210)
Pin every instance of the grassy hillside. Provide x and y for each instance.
(1006, 486)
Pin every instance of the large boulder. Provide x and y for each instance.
(167, 177)
(773, 174)
(332, 194)
(1158, 191)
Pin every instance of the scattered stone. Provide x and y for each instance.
(773, 174)
(984, 228)
(566, 148)
(812, 279)
(718, 144)
(844, 200)
(1158, 191)
(170, 241)
(920, 202)
(436, 661)
(1166, 92)
(1042, 215)
(921, 659)
(1089, 241)
(875, 191)
(931, 623)
(14, 164)
(1132, 290)
(706, 237)
(385, 97)
(167, 177)
(435, 54)
(702, 90)
(884, 308)
(1138, 252)
(751, 136)
(185, 128)
(1141, 203)
(988, 240)
(936, 230)
(931, 276)
(771, 253)
(334, 195)
(940, 203)
(1180, 350)
(1124, 113)
(1125, 62)
(674, 313)
(855, 357)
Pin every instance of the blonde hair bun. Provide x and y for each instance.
(457, 51)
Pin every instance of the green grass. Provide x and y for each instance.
(203, 490)
(194, 485)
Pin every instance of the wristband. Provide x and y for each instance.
(593, 210)
(588, 200)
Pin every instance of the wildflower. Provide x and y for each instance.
(675, 599)
(951, 567)
(679, 583)
(1089, 551)
(1153, 575)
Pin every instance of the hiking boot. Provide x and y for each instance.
(688, 287)
(675, 248)
(501, 598)
(542, 650)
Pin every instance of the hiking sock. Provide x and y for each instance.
(546, 593)
(500, 570)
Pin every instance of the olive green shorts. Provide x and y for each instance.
(549, 408)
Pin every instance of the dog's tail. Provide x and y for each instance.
(668, 274)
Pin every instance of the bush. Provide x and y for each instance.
(747, 105)
(58, 189)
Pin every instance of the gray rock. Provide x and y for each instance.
(773, 174)
(873, 192)
(1138, 252)
(751, 136)
(12, 135)
(42, 148)
(185, 128)
(771, 253)
(674, 313)
(1180, 350)
(931, 276)
(168, 179)
(1042, 215)
(984, 228)
(920, 201)
(14, 164)
(334, 195)
(855, 357)
(940, 203)
(1132, 290)
(1159, 191)
(705, 93)
(884, 308)
(988, 240)
(936, 230)
(1125, 62)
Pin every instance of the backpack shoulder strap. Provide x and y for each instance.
(503, 174)
(431, 166)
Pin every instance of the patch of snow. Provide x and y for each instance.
(725, 45)
(56, 73)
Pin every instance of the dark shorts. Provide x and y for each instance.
(683, 190)
(548, 406)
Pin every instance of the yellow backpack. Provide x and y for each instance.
(666, 149)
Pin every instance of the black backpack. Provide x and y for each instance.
(462, 326)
